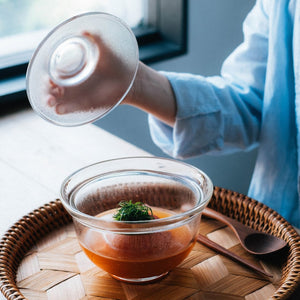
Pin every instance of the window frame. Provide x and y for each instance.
(165, 37)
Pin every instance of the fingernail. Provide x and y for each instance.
(51, 101)
(61, 109)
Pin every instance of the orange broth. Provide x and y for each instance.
(139, 255)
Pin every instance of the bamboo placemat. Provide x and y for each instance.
(40, 258)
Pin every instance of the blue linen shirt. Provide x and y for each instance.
(254, 102)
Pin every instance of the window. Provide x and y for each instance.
(159, 25)
(23, 23)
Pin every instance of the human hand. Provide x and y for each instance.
(102, 90)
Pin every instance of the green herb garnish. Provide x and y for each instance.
(137, 211)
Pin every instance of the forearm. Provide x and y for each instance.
(153, 93)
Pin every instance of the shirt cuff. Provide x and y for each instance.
(198, 124)
(194, 94)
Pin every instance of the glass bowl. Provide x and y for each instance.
(137, 251)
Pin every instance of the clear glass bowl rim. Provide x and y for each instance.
(140, 226)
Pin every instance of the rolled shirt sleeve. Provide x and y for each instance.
(220, 113)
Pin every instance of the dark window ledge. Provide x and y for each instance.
(156, 51)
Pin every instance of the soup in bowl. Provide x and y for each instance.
(138, 217)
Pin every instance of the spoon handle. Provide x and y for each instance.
(210, 244)
(240, 229)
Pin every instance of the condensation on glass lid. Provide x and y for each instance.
(86, 64)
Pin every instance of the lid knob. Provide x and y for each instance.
(73, 61)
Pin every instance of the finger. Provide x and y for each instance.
(61, 109)
(57, 91)
(54, 89)
(51, 101)
(95, 39)
(88, 35)
(78, 105)
(66, 108)
(51, 82)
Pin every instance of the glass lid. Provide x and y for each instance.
(82, 69)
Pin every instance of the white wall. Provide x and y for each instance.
(215, 29)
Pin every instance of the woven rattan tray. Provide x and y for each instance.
(40, 259)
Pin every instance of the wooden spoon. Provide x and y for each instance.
(253, 241)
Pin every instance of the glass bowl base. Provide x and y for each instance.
(143, 280)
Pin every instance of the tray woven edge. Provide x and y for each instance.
(29, 229)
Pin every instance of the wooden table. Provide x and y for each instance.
(35, 157)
